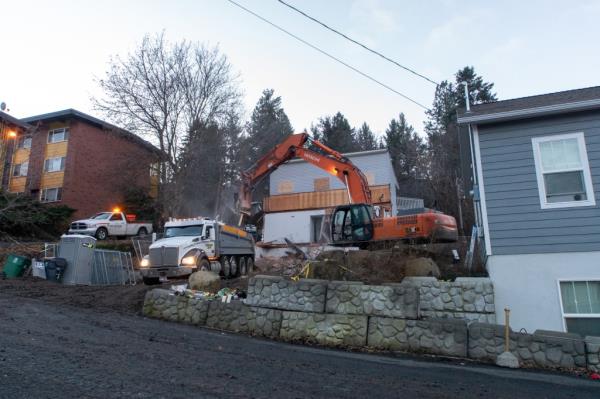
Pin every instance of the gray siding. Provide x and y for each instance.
(516, 221)
(302, 174)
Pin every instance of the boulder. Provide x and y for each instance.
(204, 281)
(421, 267)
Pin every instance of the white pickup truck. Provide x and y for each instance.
(198, 244)
(115, 224)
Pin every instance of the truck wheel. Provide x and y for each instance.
(225, 268)
(142, 231)
(249, 264)
(151, 280)
(102, 233)
(233, 266)
(243, 269)
(204, 264)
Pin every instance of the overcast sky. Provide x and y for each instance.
(52, 50)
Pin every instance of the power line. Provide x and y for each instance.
(358, 43)
(328, 55)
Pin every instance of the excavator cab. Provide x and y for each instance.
(352, 223)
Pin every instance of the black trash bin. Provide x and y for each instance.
(55, 268)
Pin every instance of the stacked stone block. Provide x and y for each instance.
(373, 300)
(162, 304)
(592, 349)
(306, 295)
(237, 317)
(438, 336)
(549, 349)
(324, 329)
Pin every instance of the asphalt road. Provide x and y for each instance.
(54, 351)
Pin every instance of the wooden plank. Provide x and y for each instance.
(56, 149)
(52, 179)
(320, 199)
(21, 155)
(17, 184)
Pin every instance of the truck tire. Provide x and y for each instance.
(249, 264)
(151, 280)
(142, 231)
(101, 233)
(225, 268)
(204, 264)
(233, 266)
(242, 266)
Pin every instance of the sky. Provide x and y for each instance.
(53, 51)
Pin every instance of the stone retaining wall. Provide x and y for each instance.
(306, 295)
(373, 300)
(550, 349)
(437, 336)
(324, 329)
(392, 317)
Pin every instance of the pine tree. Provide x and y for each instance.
(406, 149)
(336, 132)
(268, 126)
(365, 139)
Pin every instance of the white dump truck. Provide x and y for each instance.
(198, 244)
(111, 224)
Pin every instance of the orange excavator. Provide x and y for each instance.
(352, 224)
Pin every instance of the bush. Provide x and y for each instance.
(24, 216)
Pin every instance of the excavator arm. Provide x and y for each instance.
(321, 156)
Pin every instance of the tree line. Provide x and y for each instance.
(186, 98)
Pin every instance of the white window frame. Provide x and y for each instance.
(65, 131)
(50, 188)
(587, 177)
(22, 140)
(20, 165)
(564, 315)
(63, 164)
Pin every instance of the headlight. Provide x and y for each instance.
(145, 262)
(189, 261)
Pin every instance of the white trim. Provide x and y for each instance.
(589, 188)
(564, 315)
(65, 131)
(484, 216)
(529, 112)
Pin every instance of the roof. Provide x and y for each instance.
(73, 113)
(349, 155)
(14, 121)
(532, 106)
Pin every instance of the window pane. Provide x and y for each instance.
(594, 293)
(584, 326)
(581, 297)
(567, 294)
(565, 186)
(560, 154)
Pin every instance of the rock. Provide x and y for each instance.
(507, 359)
(421, 267)
(205, 281)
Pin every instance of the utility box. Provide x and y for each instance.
(78, 250)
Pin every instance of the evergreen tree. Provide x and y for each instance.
(406, 149)
(443, 144)
(268, 126)
(335, 132)
(365, 139)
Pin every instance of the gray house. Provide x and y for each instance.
(536, 163)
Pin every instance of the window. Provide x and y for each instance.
(562, 169)
(54, 164)
(24, 142)
(285, 187)
(580, 301)
(58, 135)
(20, 169)
(321, 184)
(116, 217)
(51, 194)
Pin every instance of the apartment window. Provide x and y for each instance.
(24, 142)
(563, 172)
(321, 184)
(54, 164)
(20, 169)
(51, 194)
(580, 302)
(58, 135)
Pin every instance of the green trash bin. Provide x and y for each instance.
(15, 266)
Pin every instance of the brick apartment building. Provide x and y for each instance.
(72, 158)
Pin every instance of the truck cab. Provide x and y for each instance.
(198, 244)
